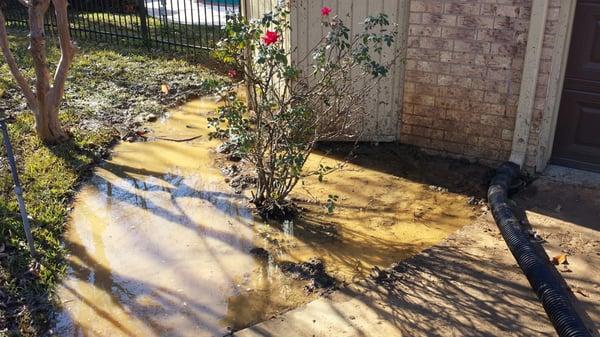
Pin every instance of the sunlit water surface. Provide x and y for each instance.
(160, 244)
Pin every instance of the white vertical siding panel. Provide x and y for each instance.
(380, 118)
(365, 125)
(387, 119)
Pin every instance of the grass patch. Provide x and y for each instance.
(109, 91)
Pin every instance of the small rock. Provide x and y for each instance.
(260, 253)
(234, 157)
(151, 118)
(224, 148)
(236, 182)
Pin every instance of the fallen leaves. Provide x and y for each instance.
(560, 259)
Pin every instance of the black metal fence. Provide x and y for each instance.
(186, 25)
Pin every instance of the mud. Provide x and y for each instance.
(162, 245)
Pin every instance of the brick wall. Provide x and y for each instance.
(463, 73)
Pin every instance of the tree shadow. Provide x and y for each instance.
(134, 183)
(127, 294)
(444, 291)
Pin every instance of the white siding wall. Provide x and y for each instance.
(383, 107)
(256, 8)
(384, 104)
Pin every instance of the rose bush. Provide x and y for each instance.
(289, 107)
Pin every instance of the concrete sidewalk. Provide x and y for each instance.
(470, 285)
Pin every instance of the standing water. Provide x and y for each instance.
(160, 244)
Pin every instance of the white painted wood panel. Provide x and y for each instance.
(383, 107)
(382, 111)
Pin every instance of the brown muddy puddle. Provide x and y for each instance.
(160, 244)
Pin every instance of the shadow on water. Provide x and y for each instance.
(160, 246)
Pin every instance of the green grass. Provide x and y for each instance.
(107, 91)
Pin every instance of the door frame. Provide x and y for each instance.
(560, 55)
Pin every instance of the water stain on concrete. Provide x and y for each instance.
(160, 244)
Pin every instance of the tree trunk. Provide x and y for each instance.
(49, 128)
(45, 101)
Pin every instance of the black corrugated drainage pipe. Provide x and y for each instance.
(543, 277)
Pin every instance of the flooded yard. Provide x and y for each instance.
(161, 245)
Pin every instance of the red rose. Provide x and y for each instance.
(270, 37)
(325, 11)
(232, 73)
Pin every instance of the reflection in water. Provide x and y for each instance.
(160, 245)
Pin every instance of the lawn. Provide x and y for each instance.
(110, 92)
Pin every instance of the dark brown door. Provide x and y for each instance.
(577, 142)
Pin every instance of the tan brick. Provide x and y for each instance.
(507, 134)
(433, 67)
(506, 22)
(468, 70)
(496, 35)
(431, 111)
(427, 89)
(459, 33)
(465, 8)
(417, 120)
(475, 22)
(423, 54)
(417, 98)
(439, 19)
(464, 82)
(435, 43)
(428, 6)
(423, 30)
(415, 18)
(493, 61)
(494, 97)
(472, 46)
(420, 77)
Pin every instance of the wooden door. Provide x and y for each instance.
(577, 141)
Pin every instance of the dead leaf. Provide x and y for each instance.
(560, 259)
(165, 88)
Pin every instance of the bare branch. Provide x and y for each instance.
(68, 50)
(14, 68)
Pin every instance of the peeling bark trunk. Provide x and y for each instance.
(45, 101)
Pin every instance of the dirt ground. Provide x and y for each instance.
(469, 285)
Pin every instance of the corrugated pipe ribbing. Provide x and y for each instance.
(543, 277)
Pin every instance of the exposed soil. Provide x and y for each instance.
(162, 244)
(469, 285)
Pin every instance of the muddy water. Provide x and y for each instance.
(160, 244)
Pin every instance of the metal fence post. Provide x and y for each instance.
(144, 22)
(18, 189)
